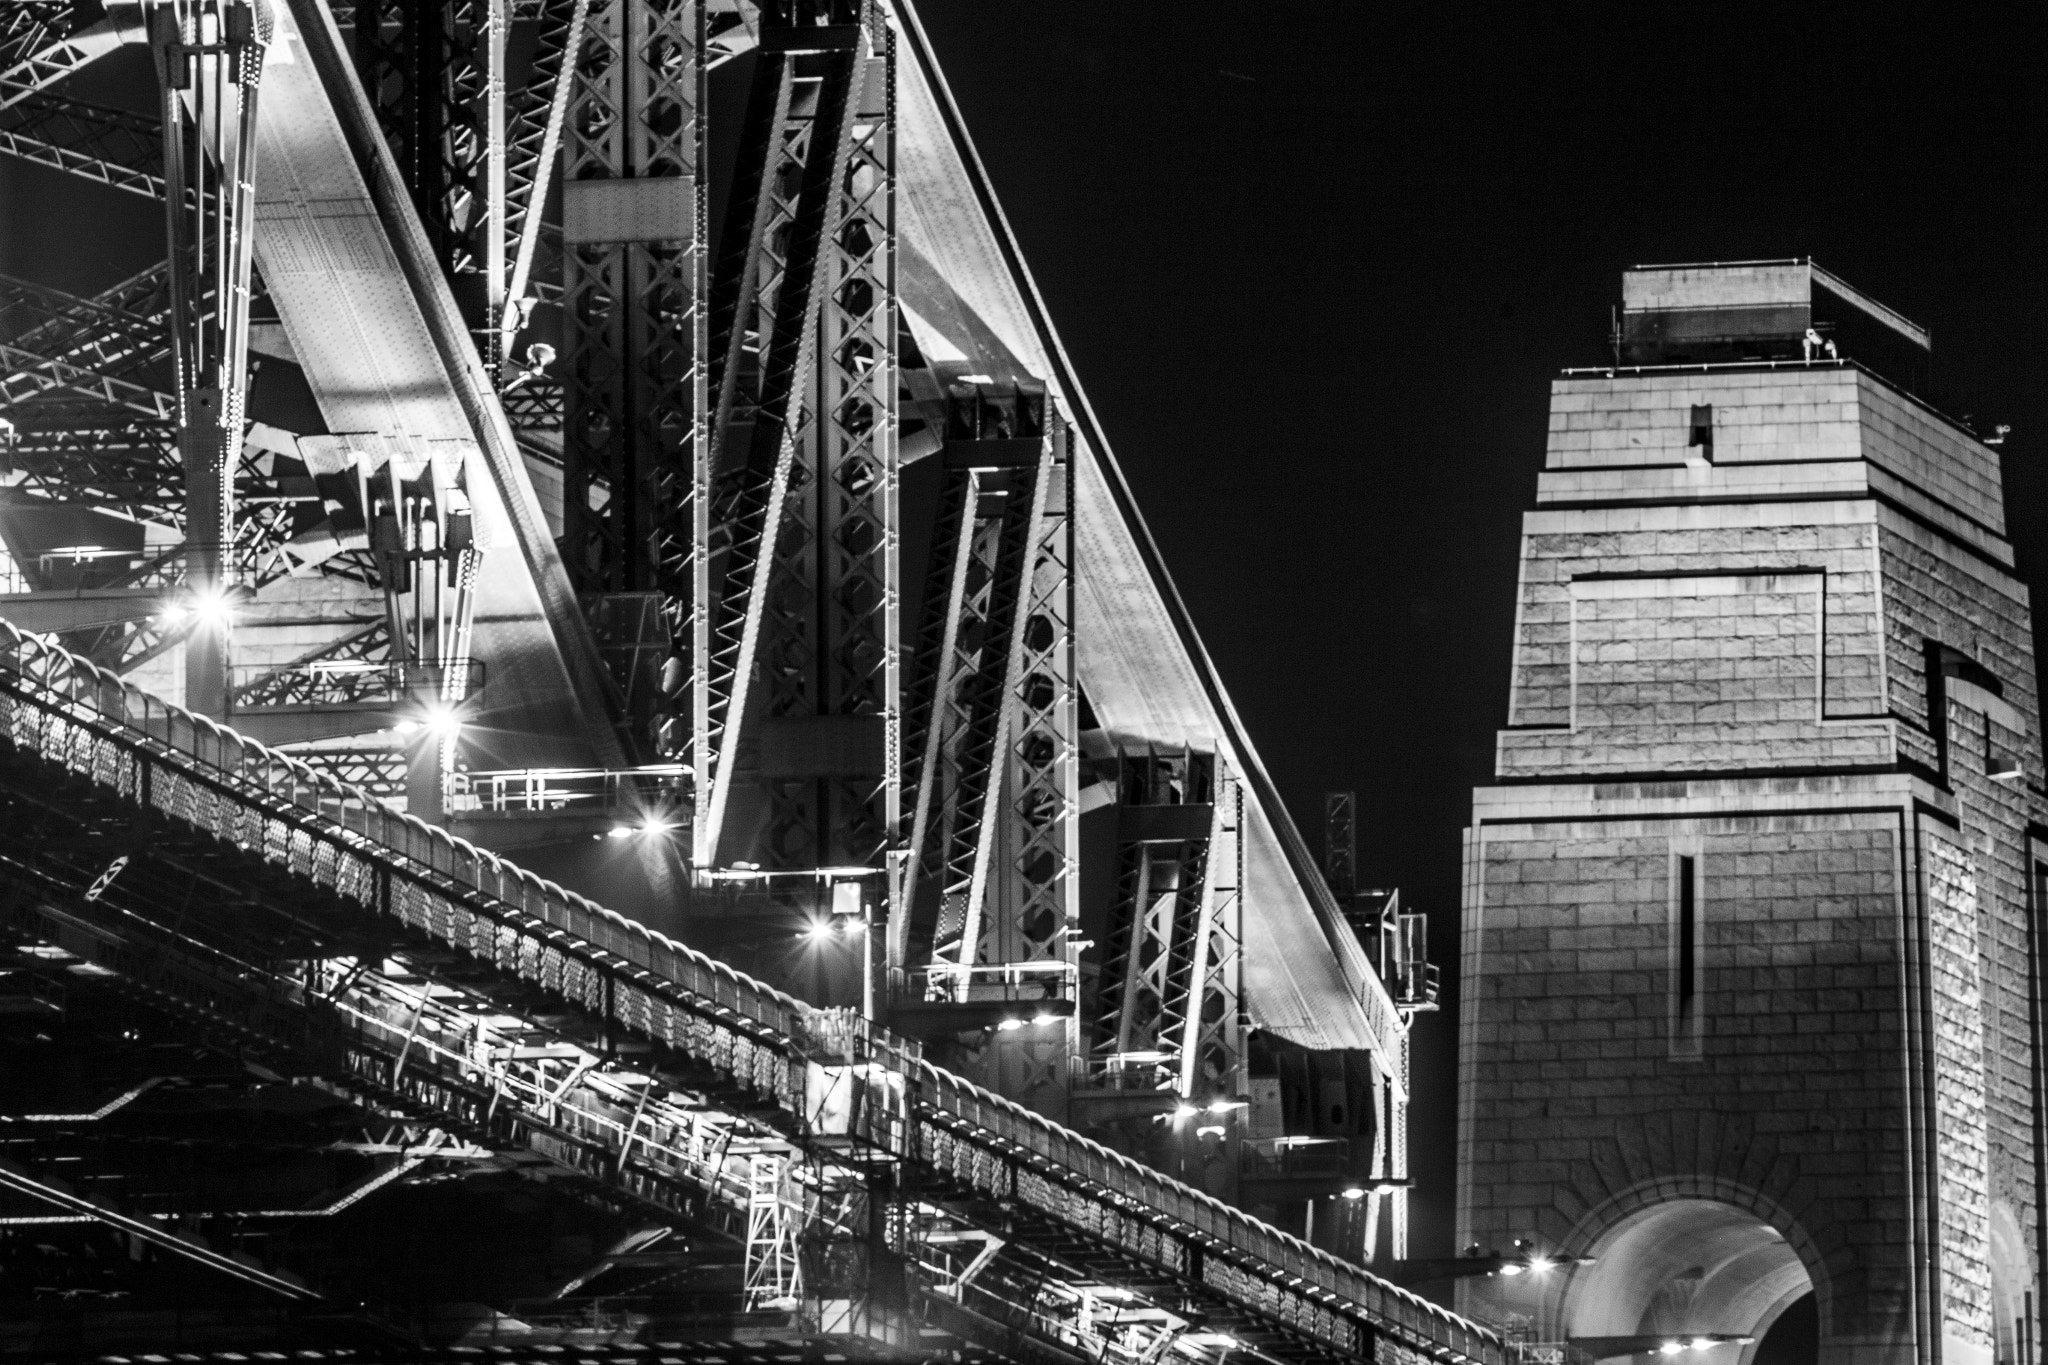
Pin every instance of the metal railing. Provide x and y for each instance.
(68, 711)
(570, 789)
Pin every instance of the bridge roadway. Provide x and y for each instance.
(387, 961)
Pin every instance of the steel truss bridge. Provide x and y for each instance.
(624, 431)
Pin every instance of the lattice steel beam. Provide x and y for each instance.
(36, 60)
(119, 334)
(113, 147)
(752, 491)
(533, 143)
(633, 278)
(976, 636)
(828, 648)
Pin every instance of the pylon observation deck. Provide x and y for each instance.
(623, 432)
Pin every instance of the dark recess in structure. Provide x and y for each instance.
(1794, 1339)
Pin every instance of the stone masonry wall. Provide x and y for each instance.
(1723, 655)
(1664, 639)
(1574, 1096)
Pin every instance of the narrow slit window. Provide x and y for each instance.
(1685, 957)
(1702, 430)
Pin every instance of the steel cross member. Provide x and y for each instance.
(209, 58)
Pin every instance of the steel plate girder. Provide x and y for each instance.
(374, 325)
(750, 497)
(829, 644)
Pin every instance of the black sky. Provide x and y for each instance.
(1317, 263)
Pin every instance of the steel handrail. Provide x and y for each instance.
(264, 776)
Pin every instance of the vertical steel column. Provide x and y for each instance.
(1034, 894)
(1213, 1019)
(834, 601)
(928, 713)
(633, 321)
(808, 140)
(982, 717)
(209, 57)
(533, 144)
(435, 71)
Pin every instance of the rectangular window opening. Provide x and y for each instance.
(1702, 430)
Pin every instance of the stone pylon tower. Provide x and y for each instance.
(1751, 974)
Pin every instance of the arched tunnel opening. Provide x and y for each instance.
(1692, 1268)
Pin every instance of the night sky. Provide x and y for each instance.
(1317, 263)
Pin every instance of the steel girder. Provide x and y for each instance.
(633, 282)
(35, 53)
(533, 143)
(991, 901)
(807, 230)
(436, 74)
(209, 57)
(828, 655)
(113, 147)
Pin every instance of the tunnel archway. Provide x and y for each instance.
(1685, 1267)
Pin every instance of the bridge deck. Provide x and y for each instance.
(407, 969)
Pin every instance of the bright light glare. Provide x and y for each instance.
(1225, 1106)
(1511, 1270)
(819, 931)
(851, 927)
(1185, 1111)
(214, 608)
(443, 719)
(621, 832)
(1671, 1348)
(1209, 1128)
(405, 727)
(1539, 1264)
(1354, 1193)
(1701, 1343)
(1043, 1020)
(1006, 1025)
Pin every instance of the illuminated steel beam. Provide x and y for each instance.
(209, 57)
(112, 147)
(1006, 485)
(1210, 1017)
(34, 70)
(633, 194)
(810, 143)
(533, 143)
(829, 673)
(25, 375)
(240, 1266)
(29, 26)
(119, 334)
